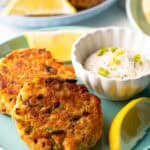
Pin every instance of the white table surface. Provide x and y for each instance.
(115, 16)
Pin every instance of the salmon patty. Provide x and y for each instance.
(85, 3)
(22, 65)
(57, 114)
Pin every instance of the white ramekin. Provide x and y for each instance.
(110, 37)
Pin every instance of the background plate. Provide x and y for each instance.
(9, 138)
(57, 20)
(136, 16)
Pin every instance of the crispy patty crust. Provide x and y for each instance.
(57, 114)
(22, 65)
(85, 3)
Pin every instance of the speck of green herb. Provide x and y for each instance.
(62, 107)
(80, 148)
(137, 59)
(102, 51)
(113, 49)
(119, 52)
(48, 110)
(28, 130)
(103, 71)
(53, 130)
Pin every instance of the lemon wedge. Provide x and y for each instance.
(130, 124)
(58, 42)
(39, 7)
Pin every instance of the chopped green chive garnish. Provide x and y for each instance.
(113, 49)
(53, 130)
(103, 71)
(102, 51)
(119, 52)
(137, 59)
(114, 61)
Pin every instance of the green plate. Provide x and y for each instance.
(136, 16)
(9, 138)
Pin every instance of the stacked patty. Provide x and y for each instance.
(22, 65)
(51, 111)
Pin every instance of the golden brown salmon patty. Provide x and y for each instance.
(85, 3)
(22, 65)
(57, 114)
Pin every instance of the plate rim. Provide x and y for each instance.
(105, 3)
(51, 21)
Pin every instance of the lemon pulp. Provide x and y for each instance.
(58, 42)
(130, 125)
(39, 7)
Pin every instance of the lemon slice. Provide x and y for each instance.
(58, 42)
(39, 7)
(130, 124)
(146, 9)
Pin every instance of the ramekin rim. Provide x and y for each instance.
(74, 57)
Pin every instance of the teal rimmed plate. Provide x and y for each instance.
(9, 138)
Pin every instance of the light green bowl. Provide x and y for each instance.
(136, 16)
